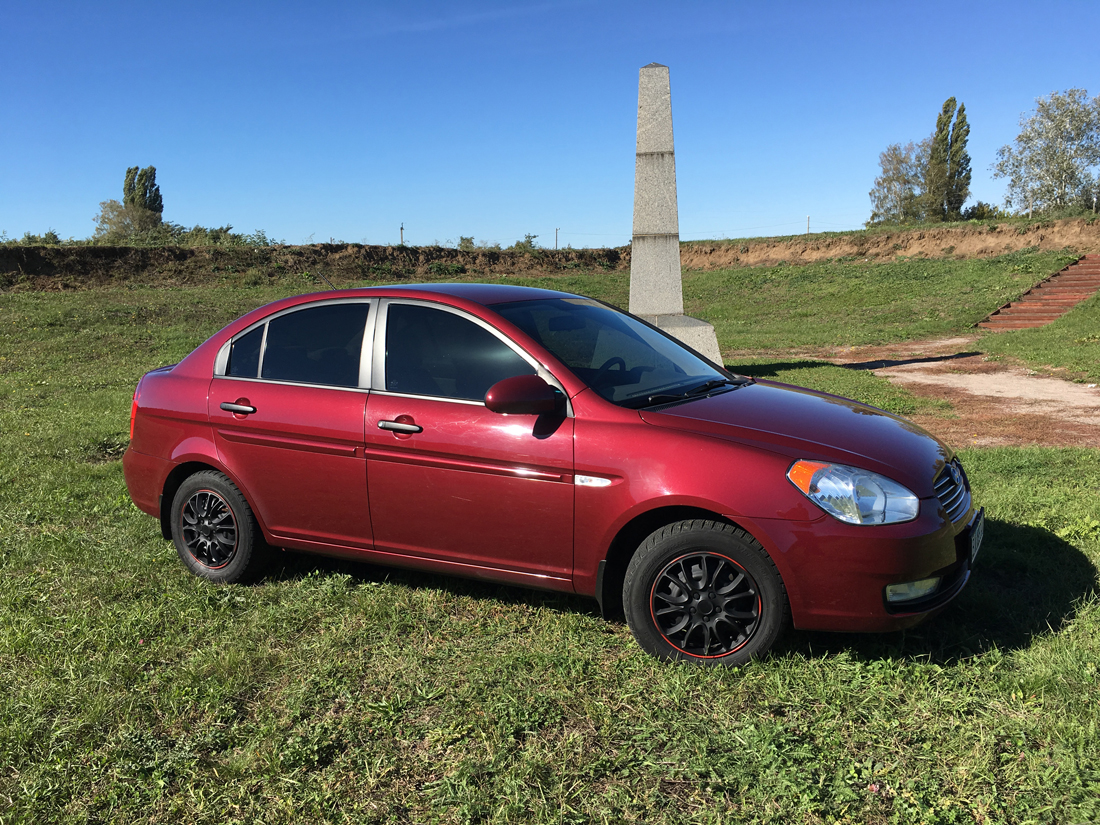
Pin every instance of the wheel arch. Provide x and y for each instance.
(612, 569)
(180, 474)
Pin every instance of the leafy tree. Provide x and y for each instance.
(1087, 195)
(926, 181)
(1051, 161)
(48, 238)
(896, 196)
(947, 176)
(140, 190)
(982, 211)
(116, 222)
(140, 211)
(526, 245)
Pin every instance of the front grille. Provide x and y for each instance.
(953, 491)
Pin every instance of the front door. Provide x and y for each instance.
(447, 478)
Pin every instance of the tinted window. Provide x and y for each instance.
(244, 355)
(617, 355)
(433, 352)
(319, 345)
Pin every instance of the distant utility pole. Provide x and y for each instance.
(807, 224)
(402, 233)
(555, 238)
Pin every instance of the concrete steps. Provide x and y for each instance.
(1049, 299)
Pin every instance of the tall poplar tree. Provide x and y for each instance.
(140, 190)
(958, 166)
(947, 176)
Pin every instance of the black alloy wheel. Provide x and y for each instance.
(208, 529)
(215, 533)
(704, 591)
(705, 604)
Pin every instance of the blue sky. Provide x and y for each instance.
(346, 119)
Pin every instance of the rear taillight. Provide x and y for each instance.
(133, 410)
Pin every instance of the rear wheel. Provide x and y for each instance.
(214, 530)
(704, 591)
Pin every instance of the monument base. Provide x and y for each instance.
(697, 334)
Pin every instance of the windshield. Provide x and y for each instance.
(616, 355)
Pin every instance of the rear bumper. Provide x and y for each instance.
(145, 476)
(837, 574)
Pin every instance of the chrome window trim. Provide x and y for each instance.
(390, 394)
(366, 349)
(378, 373)
(221, 361)
(263, 351)
(294, 384)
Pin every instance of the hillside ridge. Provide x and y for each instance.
(76, 267)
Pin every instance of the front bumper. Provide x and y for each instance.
(837, 574)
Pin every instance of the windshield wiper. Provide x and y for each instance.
(700, 391)
(713, 384)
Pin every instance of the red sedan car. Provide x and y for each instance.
(549, 440)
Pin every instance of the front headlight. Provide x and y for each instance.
(854, 495)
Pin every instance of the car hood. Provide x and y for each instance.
(802, 423)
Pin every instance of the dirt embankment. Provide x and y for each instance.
(75, 267)
(983, 240)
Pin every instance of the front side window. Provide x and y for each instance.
(617, 355)
(318, 345)
(438, 353)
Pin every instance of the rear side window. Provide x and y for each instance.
(244, 356)
(319, 345)
(434, 352)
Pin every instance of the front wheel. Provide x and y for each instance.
(704, 591)
(214, 530)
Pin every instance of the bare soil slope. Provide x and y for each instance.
(982, 240)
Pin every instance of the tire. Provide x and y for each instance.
(705, 592)
(214, 530)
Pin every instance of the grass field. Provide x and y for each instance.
(341, 692)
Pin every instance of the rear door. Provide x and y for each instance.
(447, 478)
(287, 403)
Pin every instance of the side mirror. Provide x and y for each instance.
(523, 395)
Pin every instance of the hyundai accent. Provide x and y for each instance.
(549, 440)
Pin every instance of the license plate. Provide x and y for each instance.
(977, 532)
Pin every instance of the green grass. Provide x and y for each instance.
(333, 691)
(848, 303)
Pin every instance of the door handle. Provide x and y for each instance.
(239, 409)
(400, 427)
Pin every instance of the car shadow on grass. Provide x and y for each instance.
(1026, 582)
(773, 370)
(292, 565)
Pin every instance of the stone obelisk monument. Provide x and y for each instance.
(656, 291)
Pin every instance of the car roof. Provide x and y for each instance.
(487, 294)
